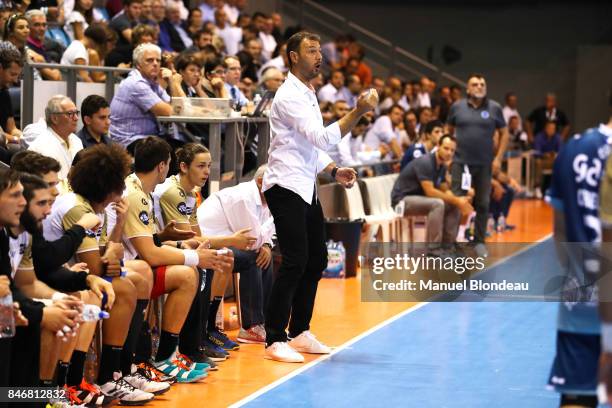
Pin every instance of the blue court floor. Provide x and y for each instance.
(456, 354)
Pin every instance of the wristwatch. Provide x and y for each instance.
(333, 172)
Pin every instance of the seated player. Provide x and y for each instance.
(174, 268)
(97, 180)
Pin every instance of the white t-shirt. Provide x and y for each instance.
(75, 50)
(74, 17)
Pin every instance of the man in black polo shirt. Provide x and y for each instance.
(475, 120)
(536, 121)
(95, 112)
(422, 188)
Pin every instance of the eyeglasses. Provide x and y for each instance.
(72, 114)
(218, 72)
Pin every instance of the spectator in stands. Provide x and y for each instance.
(476, 120)
(190, 69)
(335, 89)
(58, 140)
(422, 188)
(183, 12)
(317, 82)
(38, 43)
(88, 51)
(408, 99)
(410, 126)
(16, 32)
(172, 36)
(232, 79)
(214, 82)
(141, 97)
(430, 136)
(234, 8)
(341, 153)
(378, 84)
(267, 39)
(231, 36)
(279, 62)
(95, 112)
(227, 212)
(425, 116)
(10, 135)
(202, 40)
(248, 88)
(250, 58)
(423, 96)
(124, 22)
(194, 22)
(208, 10)
(537, 119)
(353, 84)
(158, 12)
(518, 139)
(445, 103)
(146, 15)
(79, 19)
(456, 93)
(356, 140)
(335, 54)
(383, 134)
(356, 51)
(271, 80)
(546, 145)
(121, 55)
(511, 109)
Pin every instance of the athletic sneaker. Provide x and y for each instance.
(306, 342)
(89, 395)
(69, 400)
(282, 351)
(200, 357)
(141, 381)
(151, 372)
(193, 365)
(127, 394)
(254, 335)
(176, 368)
(219, 338)
(214, 352)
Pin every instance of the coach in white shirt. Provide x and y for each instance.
(229, 211)
(296, 155)
(58, 140)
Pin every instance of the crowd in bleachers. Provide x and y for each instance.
(88, 190)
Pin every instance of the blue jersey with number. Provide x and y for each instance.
(575, 183)
(574, 191)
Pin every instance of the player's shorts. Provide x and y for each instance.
(574, 369)
(159, 282)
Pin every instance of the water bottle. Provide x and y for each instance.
(342, 257)
(501, 223)
(93, 313)
(7, 319)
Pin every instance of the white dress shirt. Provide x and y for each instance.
(234, 208)
(329, 93)
(341, 153)
(52, 145)
(381, 131)
(299, 139)
(231, 36)
(268, 45)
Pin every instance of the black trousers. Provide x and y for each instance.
(481, 183)
(300, 229)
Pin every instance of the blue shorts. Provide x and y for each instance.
(574, 370)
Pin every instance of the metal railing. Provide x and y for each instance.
(381, 54)
(70, 76)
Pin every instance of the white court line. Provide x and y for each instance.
(354, 340)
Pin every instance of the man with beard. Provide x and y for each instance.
(299, 140)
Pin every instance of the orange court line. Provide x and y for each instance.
(339, 316)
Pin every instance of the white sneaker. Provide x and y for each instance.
(282, 351)
(127, 394)
(538, 193)
(137, 380)
(308, 343)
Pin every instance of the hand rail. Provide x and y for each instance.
(397, 56)
(27, 90)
